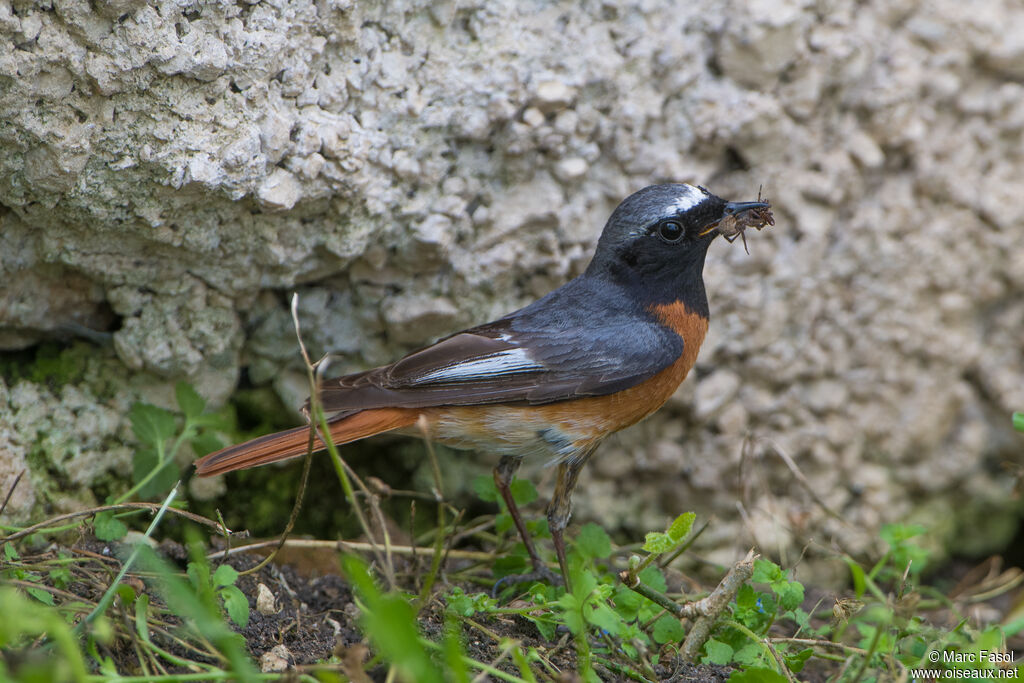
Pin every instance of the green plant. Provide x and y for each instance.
(29, 621)
(613, 626)
(154, 470)
(741, 640)
(880, 633)
(195, 602)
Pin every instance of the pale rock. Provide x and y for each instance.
(311, 166)
(553, 95)
(280, 191)
(433, 237)
(414, 318)
(266, 602)
(49, 169)
(276, 660)
(865, 150)
(405, 164)
(533, 117)
(573, 168)
(274, 135)
(827, 395)
(202, 169)
(714, 391)
(733, 419)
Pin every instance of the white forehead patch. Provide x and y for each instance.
(688, 198)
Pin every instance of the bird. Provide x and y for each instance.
(552, 379)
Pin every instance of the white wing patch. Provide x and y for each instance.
(507, 362)
(689, 198)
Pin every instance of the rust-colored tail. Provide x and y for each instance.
(292, 443)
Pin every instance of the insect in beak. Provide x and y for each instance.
(742, 215)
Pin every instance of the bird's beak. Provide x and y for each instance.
(736, 216)
(733, 208)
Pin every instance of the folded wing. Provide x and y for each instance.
(594, 345)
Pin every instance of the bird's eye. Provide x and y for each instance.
(670, 231)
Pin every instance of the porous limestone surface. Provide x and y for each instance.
(171, 170)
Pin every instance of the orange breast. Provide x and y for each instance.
(525, 430)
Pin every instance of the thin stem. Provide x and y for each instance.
(156, 507)
(307, 544)
(108, 597)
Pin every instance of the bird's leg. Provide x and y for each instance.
(560, 507)
(504, 473)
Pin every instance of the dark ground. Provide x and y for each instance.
(316, 619)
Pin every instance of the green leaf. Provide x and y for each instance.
(858, 577)
(572, 613)
(503, 522)
(583, 582)
(657, 542)
(189, 400)
(757, 676)
(802, 618)
(151, 425)
(146, 460)
(628, 603)
(681, 526)
(126, 593)
(592, 542)
(142, 617)
(236, 604)
(1018, 422)
(467, 605)
(654, 578)
(206, 443)
(509, 564)
(766, 571)
(538, 528)
(667, 629)
(107, 527)
(60, 576)
(41, 595)
(523, 491)
(605, 618)
(546, 627)
(795, 662)
(226, 575)
(222, 421)
(1014, 627)
(754, 608)
(790, 593)
(199, 574)
(485, 489)
(10, 552)
(717, 652)
(897, 534)
(750, 654)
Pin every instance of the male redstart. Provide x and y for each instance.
(552, 379)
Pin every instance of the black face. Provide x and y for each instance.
(656, 240)
(694, 225)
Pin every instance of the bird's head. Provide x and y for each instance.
(658, 237)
